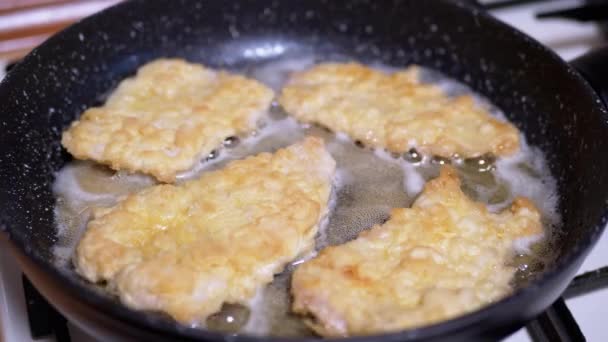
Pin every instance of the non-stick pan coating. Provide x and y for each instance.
(540, 93)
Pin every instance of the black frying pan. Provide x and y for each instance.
(545, 97)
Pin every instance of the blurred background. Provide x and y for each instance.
(570, 26)
(27, 23)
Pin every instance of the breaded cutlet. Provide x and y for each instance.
(395, 111)
(166, 118)
(187, 249)
(445, 256)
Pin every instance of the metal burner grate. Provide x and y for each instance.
(557, 323)
(554, 325)
(44, 320)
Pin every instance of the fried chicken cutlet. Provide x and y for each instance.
(163, 120)
(395, 111)
(187, 249)
(444, 257)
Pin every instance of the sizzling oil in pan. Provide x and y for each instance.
(369, 183)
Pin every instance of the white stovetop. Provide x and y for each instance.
(567, 38)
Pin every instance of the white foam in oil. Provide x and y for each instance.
(80, 187)
(275, 74)
(368, 185)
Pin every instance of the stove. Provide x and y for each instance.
(580, 314)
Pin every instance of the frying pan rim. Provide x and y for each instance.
(116, 311)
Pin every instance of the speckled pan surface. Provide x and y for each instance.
(76, 69)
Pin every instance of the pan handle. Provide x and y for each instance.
(593, 66)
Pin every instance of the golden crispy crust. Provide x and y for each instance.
(161, 121)
(187, 249)
(395, 111)
(443, 257)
